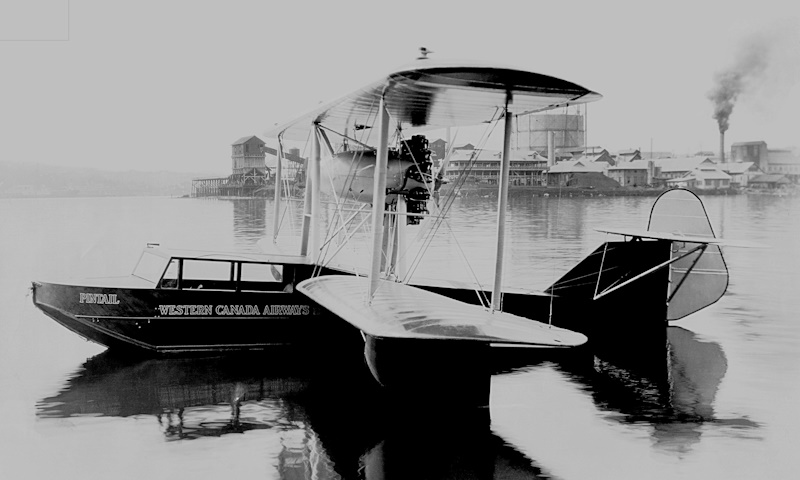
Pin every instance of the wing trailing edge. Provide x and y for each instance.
(402, 311)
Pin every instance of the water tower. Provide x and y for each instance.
(530, 131)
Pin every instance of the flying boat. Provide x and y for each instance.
(369, 157)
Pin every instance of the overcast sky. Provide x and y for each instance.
(154, 85)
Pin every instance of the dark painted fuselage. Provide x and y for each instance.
(187, 320)
(183, 321)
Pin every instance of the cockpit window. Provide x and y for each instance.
(170, 278)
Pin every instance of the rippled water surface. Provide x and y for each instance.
(722, 404)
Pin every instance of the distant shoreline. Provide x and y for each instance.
(537, 191)
(471, 191)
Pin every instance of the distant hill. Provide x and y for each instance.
(36, 180)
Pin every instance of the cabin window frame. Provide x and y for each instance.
(234, 279)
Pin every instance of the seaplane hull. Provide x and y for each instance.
(444, 372)
(210, 302)
(165, 322)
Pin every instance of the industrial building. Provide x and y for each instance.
(250, 175)
(248, 156)
(769, 161)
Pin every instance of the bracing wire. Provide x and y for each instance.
(339, 201)
(284, 185)
(441, 216)
(450, 198)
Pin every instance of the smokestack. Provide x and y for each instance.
(551, 148)
(722, 146)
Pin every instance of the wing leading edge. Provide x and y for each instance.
(402, 311)
(674, 237)
(437, 94)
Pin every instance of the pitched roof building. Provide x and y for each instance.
(635, 173)
(248, 155)
(667, 168)
(585, 172)
(628, 155)
(740, 172)
(704, 177)
(769, 181)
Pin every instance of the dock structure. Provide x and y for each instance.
(249, 184)
(206, 187)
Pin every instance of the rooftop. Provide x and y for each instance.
(632, 165)
(246, 139)
(769, 178)
(681, 164)
(737, 168)
(577, 166)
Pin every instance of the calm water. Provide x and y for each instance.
(724, 405)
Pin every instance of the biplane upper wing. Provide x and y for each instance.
(402, 311)
(437, 94)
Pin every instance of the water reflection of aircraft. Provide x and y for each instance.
(332, 423)
(190, 397)
(672, 388)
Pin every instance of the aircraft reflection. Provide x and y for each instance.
(190, 397)
(333, 422)
(672, 388)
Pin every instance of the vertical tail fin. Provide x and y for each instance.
(701, 278)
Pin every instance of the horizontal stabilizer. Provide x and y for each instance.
(402, 311)
(675, 237)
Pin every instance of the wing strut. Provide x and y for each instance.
(502, 205)
(310, 235)
(277, 212)
(379, 197)
(306, 211)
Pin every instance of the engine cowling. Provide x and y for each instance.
(408, 173)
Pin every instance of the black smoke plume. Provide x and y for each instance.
(741, 77)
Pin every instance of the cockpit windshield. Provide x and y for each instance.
(150, 267)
